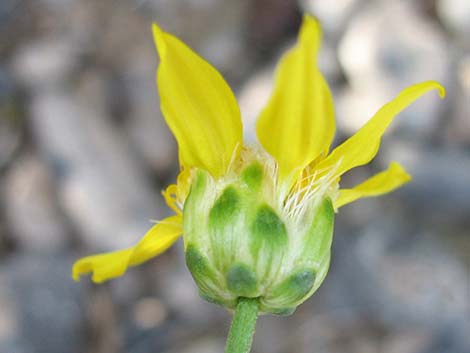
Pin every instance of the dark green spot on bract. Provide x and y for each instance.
(241, 281)
(268, 224)
(197, 264)
(200, 269)
(295, 287)
(252, 176)
(301, 282)
(225, 208)
(267, 230)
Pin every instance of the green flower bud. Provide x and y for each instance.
(240, 243)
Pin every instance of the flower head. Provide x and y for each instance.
(257, 221)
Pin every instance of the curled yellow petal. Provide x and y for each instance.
(175, 194)
(360, 148)
(381, 183)
(298, 124)
(171, 198)
(114, 264)
(198, 106)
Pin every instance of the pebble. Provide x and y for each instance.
(31, 210)
(44, 62)
(455, 14)
(149, 313)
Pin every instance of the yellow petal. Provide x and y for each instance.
(175, 194)
(171, 198)
(298, 124)
(198, 106)
(381, 183)
(360, 148)
(110, 265)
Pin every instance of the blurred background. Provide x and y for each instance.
(84, 154)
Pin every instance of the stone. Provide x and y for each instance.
(455, 14)
(149, 313)
(31, 210)
(44, 62)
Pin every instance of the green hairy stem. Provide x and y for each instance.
(242, 329)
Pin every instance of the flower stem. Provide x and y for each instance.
(242, 329)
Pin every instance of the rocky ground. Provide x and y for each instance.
(84, 153)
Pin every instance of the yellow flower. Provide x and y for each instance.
(295, 131)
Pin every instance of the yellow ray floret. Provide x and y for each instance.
(298, 122)
(381, 183)
(198, 106)
(360, 148)
(110, 265)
